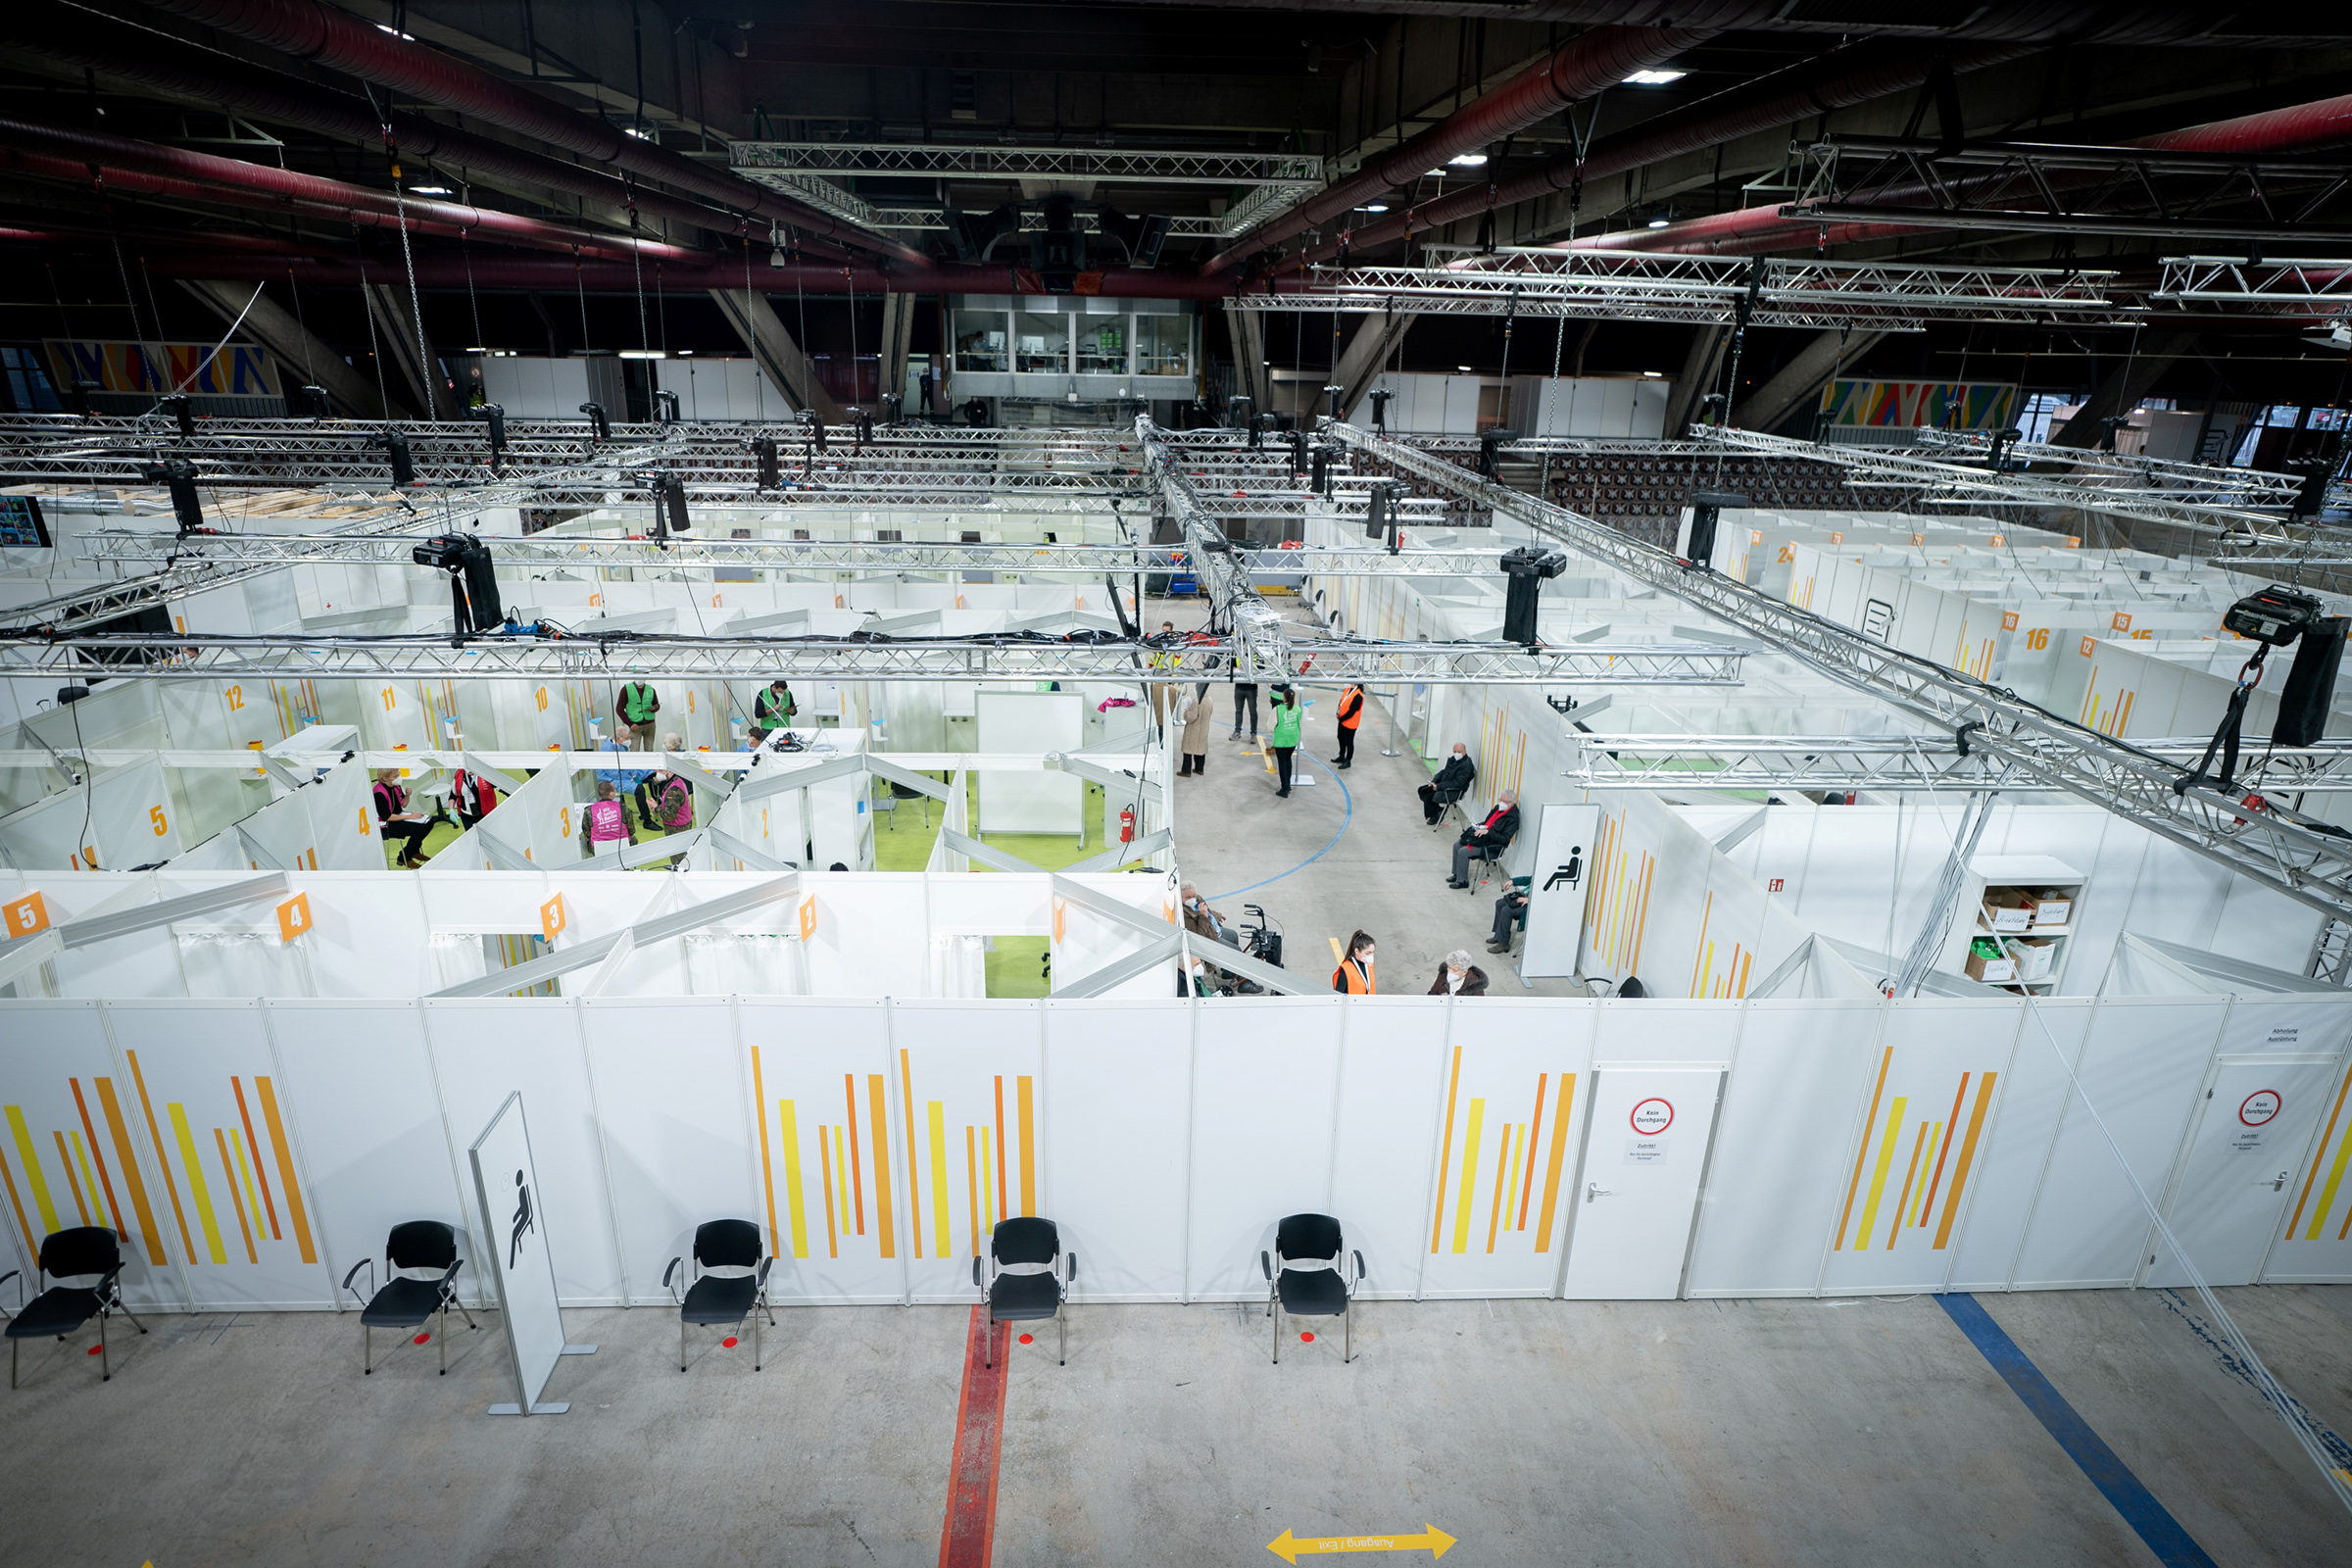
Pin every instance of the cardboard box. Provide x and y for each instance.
(2007, 909)
(1991, 971)
(2031, 954)
(2053, 906)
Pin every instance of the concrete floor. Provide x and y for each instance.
(1837, 1432)
(1385, 874)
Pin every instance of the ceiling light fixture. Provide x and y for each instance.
(1373, 207)
(641, 135)
(1655, 375)
(1654, 78)
(1467, 159)
(404, 37)
(428, 190)
(643, 354)
(1464, 368)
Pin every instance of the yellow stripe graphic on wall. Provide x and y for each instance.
(7, 1177)
(198, 1193)
(91, 1180)
(1462, 1202)
(1436, 1229)
(767, 1177)
(1877, 1174)
(792, 1181)
(1862, 1150)
(939, 1177)
(33, 1176)
(2335, 1173)
(237, 1200)
(1025, 1088)
(841, 1176)
(824, 1172)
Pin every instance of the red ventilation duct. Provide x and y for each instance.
(1575, 70)
(309, 30)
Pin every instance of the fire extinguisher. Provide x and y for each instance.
(1126, 825)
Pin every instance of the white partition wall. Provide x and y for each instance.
(250, 1152)
(1031, 723)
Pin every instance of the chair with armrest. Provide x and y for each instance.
(728, 1283)
(420, 1270)
(1307, 1277)
(84, 1251)
(1022, 1279)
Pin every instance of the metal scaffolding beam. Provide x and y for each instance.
(1887, 765)
(2305, 861)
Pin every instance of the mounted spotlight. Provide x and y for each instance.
(665, 407)
(1706, 510)
(495, 416)
(313, 404)
(771, 469)
(1381, 520)
(1489, 446)
(1525, 569)
(1057, 251)
(396, 449)
(473, 580)
(597, 421)
(179, 478)
(183, 411)
(1335, 393)
(775, 248)
(1380, 396)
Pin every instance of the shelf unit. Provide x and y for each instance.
(2027, 874)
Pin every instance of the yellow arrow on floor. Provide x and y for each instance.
(1289, 1547)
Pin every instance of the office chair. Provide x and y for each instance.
(421, 1264)
(730, 1284)
(60, 1310)
(1024, 1281)
(1304, 1277)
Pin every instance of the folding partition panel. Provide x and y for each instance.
(830, 1148)
(2315, 1243)
(1910, 1167)
(2043, 1042)
(485, 1049)
(970, 1134)
(672, 1099)
(1498, 1119)
(1262, 1138)
(76, 1149)
(231, 1159)
(1792, 1111)
(1115, 1088)
(360, 1102)
(2142, 1063)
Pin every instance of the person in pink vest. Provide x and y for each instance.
(606, 822)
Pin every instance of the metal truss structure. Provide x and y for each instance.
(2041, 187)
(2217, 501)
(2287, 287)
(534, 552)
(1010, 657)
(1643, 286)
(934, 219)
(1887, 765)
(2273, 846)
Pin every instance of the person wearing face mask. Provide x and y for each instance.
(1457, 976)
(1354, 977)
(1203, 921)
(1452, 782)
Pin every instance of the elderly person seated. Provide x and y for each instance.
(1457, 976)
(1452, 783)
(1484, 840)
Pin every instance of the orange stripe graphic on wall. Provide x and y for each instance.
(1967, 1154)
(1862, 1153)
(1552, 1173)
(155, 1136)
(849, 1093)
(297, 1215)
(139, 1207)
(914, 1171)
(261, 1176)
(98, 1158)
(2319, 1157)
(237, 1198)
(768, 1175)
(878, 1124)
(1446, 1150)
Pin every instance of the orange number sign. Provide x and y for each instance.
(28, 914)
(294, 917)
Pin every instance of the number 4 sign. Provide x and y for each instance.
(294, 917)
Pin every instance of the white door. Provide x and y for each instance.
(2249, 1135)
(1646, 1147)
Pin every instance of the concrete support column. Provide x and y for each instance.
(897, 329)
(2118, 392)
(1367, 352)
(787, 368)
(1247, 329)
(1802, 377)
(396, 341)
(1696, 380)
(301, 357)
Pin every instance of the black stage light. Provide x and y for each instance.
(597, 421)
(179, 478)
(1525, 569)
(1706, 510)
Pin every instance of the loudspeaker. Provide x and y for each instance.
(2310, 688)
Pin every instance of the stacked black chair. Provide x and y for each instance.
(420, 1270)
(84, 1251)
(729, 1281)
(1307, 1277)
(1024, 1279)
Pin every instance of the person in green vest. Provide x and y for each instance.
(639, 704)
(1287, 715)
(772, 710)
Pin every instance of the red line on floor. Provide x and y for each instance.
(972, 1525)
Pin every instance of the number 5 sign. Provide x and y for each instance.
(27, 915)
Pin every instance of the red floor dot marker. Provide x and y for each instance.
(728, 1341)
(92, 1350)
(1027, 1339)
(423, 1337)
(1309, 1338)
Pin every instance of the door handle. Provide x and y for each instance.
(1595, 1190)
(2275, 1184)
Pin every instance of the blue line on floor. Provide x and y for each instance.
(2140, 1511)
(1349, 816)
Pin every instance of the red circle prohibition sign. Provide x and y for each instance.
(2260, 1106)
(1645, 1119)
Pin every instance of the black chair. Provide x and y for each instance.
(421, 1266)
(1304, 1277)
(60, 1310)
(729, 1282)
(1024, 1280)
